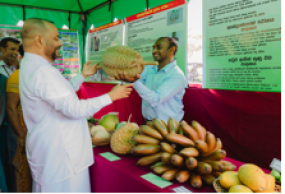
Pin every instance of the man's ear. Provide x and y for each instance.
(172, 49)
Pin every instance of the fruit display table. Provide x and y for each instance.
(125, 176)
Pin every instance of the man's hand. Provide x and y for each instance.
(120, 92)
(89, 69)
(125, 77)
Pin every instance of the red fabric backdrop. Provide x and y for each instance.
(248, 123)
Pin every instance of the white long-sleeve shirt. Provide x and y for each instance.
(58, 141)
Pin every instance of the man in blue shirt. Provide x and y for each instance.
(160, 87)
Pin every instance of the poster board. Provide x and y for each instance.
(68, 60)
(98, 41)
(143, 29)
(242, 45)
(10, 31)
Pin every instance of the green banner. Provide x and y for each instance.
(242, 45)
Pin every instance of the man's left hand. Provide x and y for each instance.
(90, 69)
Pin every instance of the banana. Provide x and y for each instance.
(201, 146)
(199, 129)
(204, 168)
(165, 147)
(149, 159)
(218, 146)
(182, 176)
(151, 132)
(216, 173)
(189, 131)
(189, 152)
(177, 124)
(145, 139)
(165, 125)
(161, 128)
(140, 132)
(157, 164)
(172, 126)
(169, 175)
(145, 149)
(177, 160)
(210, 140)
(165, 157)
(195, 180)
(191, 163)
(226, 163)
(216, 165)
(179, 139)
(150, 124)
(208, 178)
(162, 169)
(215, 156)
(180, 131)
(230, 167)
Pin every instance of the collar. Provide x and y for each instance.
(166, 68)
(36, 57)
(2, 63)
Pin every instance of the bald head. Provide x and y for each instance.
(41, 37)
(35, 27)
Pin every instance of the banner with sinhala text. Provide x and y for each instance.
(98, 41)
(143, 29)
(242, 45)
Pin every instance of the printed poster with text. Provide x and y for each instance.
(143, 29)
(242, 45)
(67, 62)
(99, 39)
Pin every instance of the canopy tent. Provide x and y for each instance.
(75, 14)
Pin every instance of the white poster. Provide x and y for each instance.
(242, 45)
(143, 29)
(98, 40)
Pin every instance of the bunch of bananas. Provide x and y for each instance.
(181, 151)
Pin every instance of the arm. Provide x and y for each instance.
(12, 102)
(164, 92)
(87, 70)
(51, 90)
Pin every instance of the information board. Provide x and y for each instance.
(242, 45)
(168, 20)
(98, 40)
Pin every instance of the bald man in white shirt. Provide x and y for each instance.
(59, 148)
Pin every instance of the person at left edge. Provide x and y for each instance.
(20, 175)
(9, 47)
(58, 143)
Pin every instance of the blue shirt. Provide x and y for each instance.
(161, 92)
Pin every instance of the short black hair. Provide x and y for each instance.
(4, 41)
(172, 42)
(21, 50)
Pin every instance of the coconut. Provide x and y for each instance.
(99, 135)
(109, 121)
(121, 139)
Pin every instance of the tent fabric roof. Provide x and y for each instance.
(65, 5)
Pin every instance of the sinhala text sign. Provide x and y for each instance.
(242, 45)
(99, 39)
(143, 29)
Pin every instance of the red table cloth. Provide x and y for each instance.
(124, 176)
(248, 123)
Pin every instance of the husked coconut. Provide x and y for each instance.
(99, 135)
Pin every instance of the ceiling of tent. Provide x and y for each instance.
(66, 5)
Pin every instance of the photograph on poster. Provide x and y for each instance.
(175, 16)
